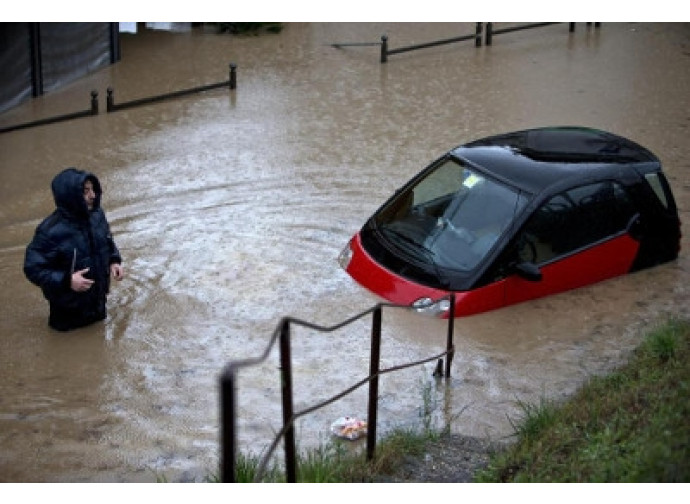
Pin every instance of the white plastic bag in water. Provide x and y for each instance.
(349, 428)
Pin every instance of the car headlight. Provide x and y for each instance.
(345, 257)
(428, 306)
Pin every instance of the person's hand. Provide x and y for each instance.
(79, 282)
(117, 271)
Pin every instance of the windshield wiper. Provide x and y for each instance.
(403, 242)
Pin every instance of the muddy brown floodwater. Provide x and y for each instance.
(230, 209)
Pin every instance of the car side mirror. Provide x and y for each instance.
(528, 271)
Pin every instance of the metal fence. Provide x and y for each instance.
(487, 32)
(228, 389)
(111, 106)
(385, 51)
(93, 110)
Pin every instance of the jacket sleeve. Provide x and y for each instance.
(42, 266)
(115, 256)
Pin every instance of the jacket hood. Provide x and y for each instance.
(68, 191)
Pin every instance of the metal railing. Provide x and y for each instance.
(385, 52)
(92, 111)
(228, 389)
(488, 34)
(111, 106)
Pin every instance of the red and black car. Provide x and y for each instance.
(515, 217)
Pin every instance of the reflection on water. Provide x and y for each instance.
(230, 209)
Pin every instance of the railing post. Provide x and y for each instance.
(109, 102)
(233, 75)
(489, 33)
(228, 429)
(449, 342)
(286, 388)
(384, 48)
(94, 102)
(374, 366)
(478, 35)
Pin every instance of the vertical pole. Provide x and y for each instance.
(36, 61)
(109, 101)
(286, 387)
(94, 102)
(384, 48)
(374, 365)
(233, 76)
(114, 42)
(449, 342)
(489, 33)
(228, 427)
(571, 27)
(478, 35)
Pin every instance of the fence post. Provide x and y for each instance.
(109, 101)
(233, 75)
(449, 342)
(384, 48)
(286, 388)
(374, 382)
(94, 102)
(489, 33)
(228, 428)
(478, 35)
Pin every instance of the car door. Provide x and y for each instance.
(576, 238)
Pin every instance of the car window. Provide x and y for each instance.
(575, 219)
(445, 181)
(654, 180)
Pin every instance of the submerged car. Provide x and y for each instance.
(517, 216)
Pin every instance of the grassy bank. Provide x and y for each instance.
(632, 425)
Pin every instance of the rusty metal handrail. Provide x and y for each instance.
(282, 333)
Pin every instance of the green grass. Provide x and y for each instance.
(334, 462)
(632, 425)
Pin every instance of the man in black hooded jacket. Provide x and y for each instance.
(72, 254)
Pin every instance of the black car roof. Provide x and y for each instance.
(535, 159)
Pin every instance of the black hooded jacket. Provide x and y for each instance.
(72, 238)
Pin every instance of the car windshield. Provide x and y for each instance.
(450, 219)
